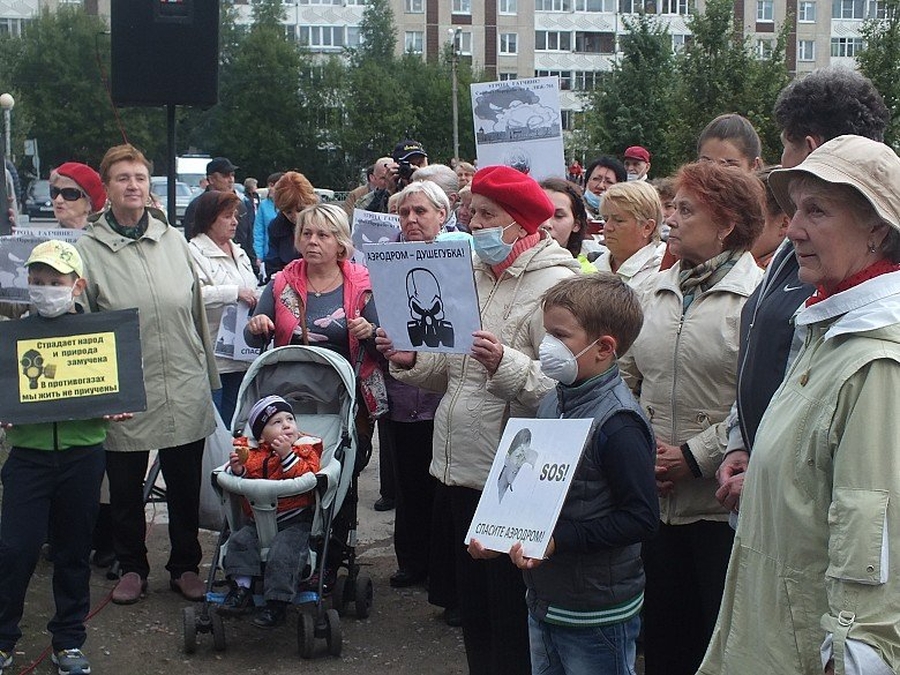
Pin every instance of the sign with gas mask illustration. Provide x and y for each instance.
(528, 483)
(425, 294)
(72, 367)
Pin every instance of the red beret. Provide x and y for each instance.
(518, 194)
(88, 180)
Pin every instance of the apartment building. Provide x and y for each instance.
(573, 39)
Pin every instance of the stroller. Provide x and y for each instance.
(320, 385)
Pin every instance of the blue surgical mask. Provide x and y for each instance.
(489, 244)
(592, 200)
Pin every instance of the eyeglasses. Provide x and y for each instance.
(69, 194)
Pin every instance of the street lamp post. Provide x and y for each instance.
(6, 103)
(454, 69)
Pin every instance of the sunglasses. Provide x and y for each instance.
(69, 194)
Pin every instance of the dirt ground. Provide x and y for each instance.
(404, 635)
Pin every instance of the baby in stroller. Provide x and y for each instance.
(278, 450)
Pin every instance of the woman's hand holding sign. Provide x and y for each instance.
(384, 345)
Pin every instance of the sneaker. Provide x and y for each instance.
(271, 615)
(130, 589)
(70, 662)
(6, 660)
(238, 601)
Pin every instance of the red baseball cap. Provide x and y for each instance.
(638, 153)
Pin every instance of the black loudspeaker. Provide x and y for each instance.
(165, 52)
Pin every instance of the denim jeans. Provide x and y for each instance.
(599, 650)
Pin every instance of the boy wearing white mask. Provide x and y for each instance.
(584, 599)
(51, 481)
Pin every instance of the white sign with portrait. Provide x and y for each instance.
(373, 228)
(528, 483)
(230, 342)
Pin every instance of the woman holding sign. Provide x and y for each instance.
(226, 278)
(501, 378)
(133, 259)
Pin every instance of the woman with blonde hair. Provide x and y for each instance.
(292, 193)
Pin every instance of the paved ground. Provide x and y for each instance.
(403, 636)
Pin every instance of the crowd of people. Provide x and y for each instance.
(733, 331)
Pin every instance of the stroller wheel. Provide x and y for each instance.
(306, 634)
(333, 637)
(364, 592)
(189, 624)
(218, 631)
(339, 598)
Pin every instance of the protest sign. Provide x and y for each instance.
(14, 251)
(373, 228)
(76, 366)
(47, 233)
(425, 294)
(518, 124)
(230, 342)
(528, 483)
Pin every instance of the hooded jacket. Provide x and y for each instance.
(473, 411)
(815, 570)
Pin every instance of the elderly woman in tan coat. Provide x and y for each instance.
(684, 368)
(132, 259)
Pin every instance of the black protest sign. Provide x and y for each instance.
(77, 366)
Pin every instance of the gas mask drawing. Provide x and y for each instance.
(33, 367)
(518, 455)
(426, 309)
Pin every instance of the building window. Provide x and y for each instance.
(552, 5)
(846, 46)
(465, 43)
(12, 27)
(359, 3)
(552, 41)
(462, 6)
(595, 6)
(507, 76)
(765, 10)
(679, 40)
(595, 43)
(806, 50)
(320, 2)
(763, 48)
(509, 43)
(848, 9)
(681, 7)
(565, 77)
(877, 10)
(509, 6)
(414, 41)
(415, 6)
(567, 119)
(806, 11)
(353, 39)
(586, 80)
(322, 37)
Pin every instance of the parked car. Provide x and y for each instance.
(37, 200)
(183, 196)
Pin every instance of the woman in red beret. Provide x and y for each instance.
(515, 262)
(76, 192)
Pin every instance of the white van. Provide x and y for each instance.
(191, 169)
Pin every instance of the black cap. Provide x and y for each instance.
(221, 165)
(406, 149)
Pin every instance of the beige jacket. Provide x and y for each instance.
(815, 569)
(470, 417)
(684, 369)
(155, 274)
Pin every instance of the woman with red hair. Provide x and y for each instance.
(683, 366)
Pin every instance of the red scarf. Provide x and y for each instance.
(518, 249)
(876, 269)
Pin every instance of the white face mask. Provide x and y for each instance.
(51, 301)
(633, 176)
(558, 361)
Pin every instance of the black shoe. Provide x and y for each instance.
(384, 504)
(271, 615)
(405, 579)
(103, 558)
(452, 617)
(238, 601)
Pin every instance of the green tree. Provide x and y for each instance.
(880, 62)
(58, 73)
(633, 106)
(378, 34)
(719, 72)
